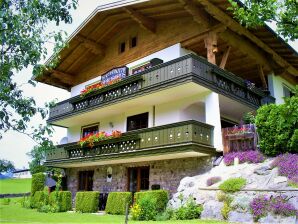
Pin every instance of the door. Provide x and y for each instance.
(86, 180)
(138, 179)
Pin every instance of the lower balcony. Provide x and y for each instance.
(178, 140)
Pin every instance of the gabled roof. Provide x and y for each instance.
(88, 39)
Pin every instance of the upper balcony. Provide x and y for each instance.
(189, 68)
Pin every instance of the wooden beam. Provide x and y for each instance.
(145, 22)
(262, 76)
(211, 45)
(197, 38)
(225, 57)
(237, 28)
(94, 47)
(199, 15)
(63, 77)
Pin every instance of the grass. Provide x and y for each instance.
(14, 213)
(10, 186)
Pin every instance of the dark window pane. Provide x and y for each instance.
(89, 130)
(122, 47)
(133, 42)
(137, 121)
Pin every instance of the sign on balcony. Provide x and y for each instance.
(114, 74)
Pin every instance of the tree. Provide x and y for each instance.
(23, 36)
(38, 156)
(6, 166)
(254, 13)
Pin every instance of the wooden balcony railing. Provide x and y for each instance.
(189, 68)
(156, 140)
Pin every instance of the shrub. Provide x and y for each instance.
(190, 210)
(87, 201)
(26, 202)
(277, 127)
(226, 210)
(213, 180)
(223, 197)
(144, 209)
(48, 208)
(161, 197)
(250, 156)
(5, 201)
(61, 199)
(248, 118)
(232, 185)
(38, 199)
(37, 182)
(117, 201)
(287, 165)
(166, 215)
(262, 205)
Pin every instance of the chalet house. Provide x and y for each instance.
(156, 81)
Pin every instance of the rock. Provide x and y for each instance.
(280, 179)
(277, 219)
(212, 210)
(294, 201)
(186, 182)
(241, 203)
(240, 217)
(263, 170)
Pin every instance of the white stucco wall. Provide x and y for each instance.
(191, 108)
(167, 54)
(275, 85)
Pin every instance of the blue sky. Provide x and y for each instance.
(14, 146)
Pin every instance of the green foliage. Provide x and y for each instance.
(232, 184)
(26, 202)
(225, 210)
(277, 126)
(248, 118)
(161, 197)
(62, 200)
(166, 215)
(190, 210)
(87, 201)
(253, 13)
(46, 208)
(39, 199)
(23, 39)
(5, 201)
(223, 197)
(38, 183)
(145, 208)
(6, 166)
(117, 201)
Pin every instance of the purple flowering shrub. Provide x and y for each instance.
(262, 205)
(250, 156)
(287, 166)
(213, 180)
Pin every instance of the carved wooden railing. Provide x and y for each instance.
(189, 68)
(155, 138)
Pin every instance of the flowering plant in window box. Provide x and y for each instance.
(97, 86)
(97, 137)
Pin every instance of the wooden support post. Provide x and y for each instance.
(211, 45)
(262, 76)
(225, 58)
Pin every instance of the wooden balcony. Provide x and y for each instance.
(181, 137)
(189, 68)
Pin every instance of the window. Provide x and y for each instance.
(133, 42)
(138, 179)
(85, 180)
(137, 121)
(90, 129)
(121, 47)
(287, 91)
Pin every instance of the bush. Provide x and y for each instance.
(232, 185)
(213, 180)
(5, 201)
(223, 197)
(48, 208)
(161, 197)
(226, 210)
(39, 199)
(62, 200)
(166, 215)
(87, 202)
(250, 156)
(37, 183)
(117, 201)
(190, 210)
(144, 209)
(26, 202)
(262, 205)
(287, 166)
(277, 127)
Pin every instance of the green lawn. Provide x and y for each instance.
(14, 213)
(15, 186)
